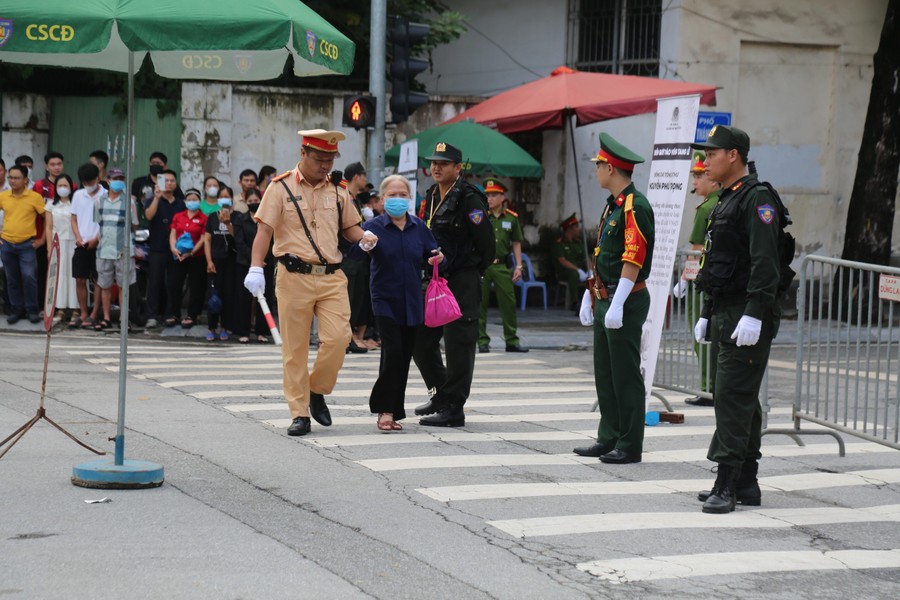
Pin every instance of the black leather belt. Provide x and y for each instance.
(295, 264)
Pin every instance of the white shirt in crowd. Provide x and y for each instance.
(83, 209)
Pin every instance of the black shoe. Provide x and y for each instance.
(449, 417)
(619, 457)
(515, 348)
(319, 410)
(34, 318)
(746, 490)
(723, 498)
(356, 349)
(483, 348)
(13, 319)
(299, 426)
(435, 404)
(595, 451)
(699, 401)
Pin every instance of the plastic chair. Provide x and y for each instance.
(528, 282)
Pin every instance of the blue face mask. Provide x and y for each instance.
(192, 204)
(396, 207)
(223, 202)
(117, 186)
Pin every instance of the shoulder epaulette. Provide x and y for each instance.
(629, 203)
(512, 213)
(282, 176)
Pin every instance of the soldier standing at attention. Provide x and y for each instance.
(709, 190)
(306, 213)
(456, 213)
(508, 234)
(739, 276)
(568, 254)
(621, 266)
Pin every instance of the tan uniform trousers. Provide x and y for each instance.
(300, 296)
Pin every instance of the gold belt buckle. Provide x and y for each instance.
(318, 270)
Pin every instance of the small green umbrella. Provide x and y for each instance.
(483, 149)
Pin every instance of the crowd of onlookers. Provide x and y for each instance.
(188, 250)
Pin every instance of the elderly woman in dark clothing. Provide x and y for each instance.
(405, 244)
(243, 232)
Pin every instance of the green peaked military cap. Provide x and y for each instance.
(727, 137)
(616, 154)
(569, 221)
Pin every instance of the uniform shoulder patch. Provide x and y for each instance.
(476, 216)
(629, 203)
(282, 176)
(766, 213)
(509, 212)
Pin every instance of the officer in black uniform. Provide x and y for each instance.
(740, 272)
(457, 214)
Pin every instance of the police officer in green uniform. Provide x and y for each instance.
(508, 235)
(568, 258)
(456, 213)
(622, 260)
(739, 276)
(709, 190)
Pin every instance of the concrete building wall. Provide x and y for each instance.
(25, 128)
(507, 44)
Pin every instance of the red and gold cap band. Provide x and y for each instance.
(329, 145)
(604, 156)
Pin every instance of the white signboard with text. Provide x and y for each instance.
(670, 170)
(408, 167)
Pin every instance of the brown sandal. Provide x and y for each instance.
(386, 424)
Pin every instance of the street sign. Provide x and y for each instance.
(708, 120)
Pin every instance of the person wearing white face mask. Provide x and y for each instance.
(210, 203)
(87, 236)
(58, 221)
(405, 245)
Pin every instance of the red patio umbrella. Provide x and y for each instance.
(550, 102)
(591, 97)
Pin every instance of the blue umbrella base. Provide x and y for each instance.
(106, 474)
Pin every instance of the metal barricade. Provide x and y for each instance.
(847, 351)
(682, 364)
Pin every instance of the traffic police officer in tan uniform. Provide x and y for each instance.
(508, 234)
(306, 213)
(623, 257)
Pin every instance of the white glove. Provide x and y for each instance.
(700, 330)
(680, 289)
(747, 331)
(586, 313)
(367, 213)
(255, 281)
(583, 275)
(615, 314)
(368, 241)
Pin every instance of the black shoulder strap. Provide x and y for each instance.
(303, 222)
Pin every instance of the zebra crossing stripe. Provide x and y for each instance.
(464, 461)
(450, 437)
(550, 389)
(628, 570)
(781, 483)
(413, 381)
(767, 518)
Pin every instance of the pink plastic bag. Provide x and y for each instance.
(440, 304)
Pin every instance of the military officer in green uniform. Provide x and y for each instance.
(508, 235)
(568, 258)
(708, 190)
(739, 276)
(456, 212)
(622, 260)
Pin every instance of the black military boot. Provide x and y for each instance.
(451, 416)
(747, 490)
(722, 500)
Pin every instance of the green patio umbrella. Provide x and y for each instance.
(186, 39)
(483, 149)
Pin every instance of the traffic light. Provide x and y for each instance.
(359, 111)
(404, 37)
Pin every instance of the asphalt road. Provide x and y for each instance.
(498, 509)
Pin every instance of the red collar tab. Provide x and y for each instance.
(620, 199)
(735, 187)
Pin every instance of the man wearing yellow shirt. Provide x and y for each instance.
(21, 207)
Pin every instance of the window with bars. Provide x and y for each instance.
(615, 36)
